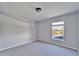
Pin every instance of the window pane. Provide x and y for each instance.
(58, 31)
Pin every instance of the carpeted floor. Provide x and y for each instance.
(38, 49)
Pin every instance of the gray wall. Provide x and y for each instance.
(14, 32)
(70, 32)
(78, 32)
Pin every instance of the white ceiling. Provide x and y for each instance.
(26, 10)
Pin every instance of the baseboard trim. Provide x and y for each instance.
(58, 45)
(16, 45)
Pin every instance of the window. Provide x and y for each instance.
(58, 31)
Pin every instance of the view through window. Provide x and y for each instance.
(58, 31)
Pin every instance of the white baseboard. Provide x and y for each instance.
(16, 45)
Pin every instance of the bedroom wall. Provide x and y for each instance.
(78, 32)
(14, 32)
(70, 32)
